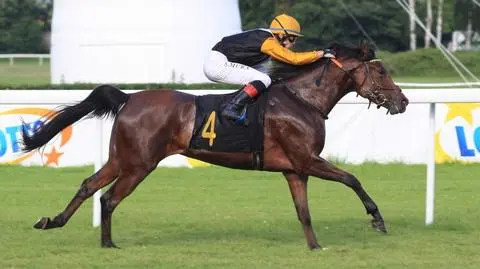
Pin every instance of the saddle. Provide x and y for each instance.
(213, 132)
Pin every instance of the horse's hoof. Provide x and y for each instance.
(379, 226)
(109, 244)
(42, 223)
(316, 247)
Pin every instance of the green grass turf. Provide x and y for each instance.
(24, 72)
(223, 218)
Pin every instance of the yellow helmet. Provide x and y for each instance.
(284, 23)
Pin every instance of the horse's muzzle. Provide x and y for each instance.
(398, 106)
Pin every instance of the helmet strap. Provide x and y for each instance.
(286, 33)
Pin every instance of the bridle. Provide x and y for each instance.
(372, 94)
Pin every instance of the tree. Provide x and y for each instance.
(413, 35)
(462, 8)
(466, 18)
(283, 6)
(439, 21)
(327, 21)
(428, 23)
(20, 29)
(256, 13)
(45, 13)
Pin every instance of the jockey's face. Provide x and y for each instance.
(287, 41)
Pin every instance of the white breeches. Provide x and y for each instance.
(217, 68)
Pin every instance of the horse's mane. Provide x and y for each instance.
(281, 70)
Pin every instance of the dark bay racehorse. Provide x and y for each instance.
(151, 125)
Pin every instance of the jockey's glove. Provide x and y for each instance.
(328, 53)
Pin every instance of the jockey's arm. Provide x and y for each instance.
(273, 48)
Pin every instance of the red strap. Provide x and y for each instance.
(335, 61)
(250, 90)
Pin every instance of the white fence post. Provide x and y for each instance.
(97, 211)
(430, 195)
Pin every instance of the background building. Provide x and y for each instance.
(142, 41)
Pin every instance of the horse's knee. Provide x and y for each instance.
(352, 182)
(104, 200)
(106, 203)
(83, 192)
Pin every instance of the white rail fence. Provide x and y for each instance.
(12, 57)
(437, 85)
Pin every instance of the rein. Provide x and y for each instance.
(372, 94)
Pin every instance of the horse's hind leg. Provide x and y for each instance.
(89, 186)
(298, 189)
(125, 184)
(323, 169)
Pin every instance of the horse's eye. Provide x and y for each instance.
(383, 71)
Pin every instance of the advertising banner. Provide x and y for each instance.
(355, 134)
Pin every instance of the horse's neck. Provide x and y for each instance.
(323, 97)
(333, 92)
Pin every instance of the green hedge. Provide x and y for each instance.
(428, 63)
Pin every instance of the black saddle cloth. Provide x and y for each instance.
(213, 132)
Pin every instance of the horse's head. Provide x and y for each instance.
(369, 77)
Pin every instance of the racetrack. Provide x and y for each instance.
(222, 218)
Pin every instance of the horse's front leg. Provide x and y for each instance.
(298, 189)
(325, 170)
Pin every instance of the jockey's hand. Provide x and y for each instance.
(328, 53)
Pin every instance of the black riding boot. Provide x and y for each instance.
(235, 107)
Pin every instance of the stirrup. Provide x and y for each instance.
(243, 118)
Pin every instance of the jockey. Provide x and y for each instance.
(231, 60)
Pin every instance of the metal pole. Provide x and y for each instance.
(430, 196)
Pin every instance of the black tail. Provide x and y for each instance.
(105, 100)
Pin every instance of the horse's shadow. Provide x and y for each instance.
(331, 233)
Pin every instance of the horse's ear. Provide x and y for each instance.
(365, 49)
(333, 46)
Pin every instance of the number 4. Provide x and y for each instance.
(208, 131)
